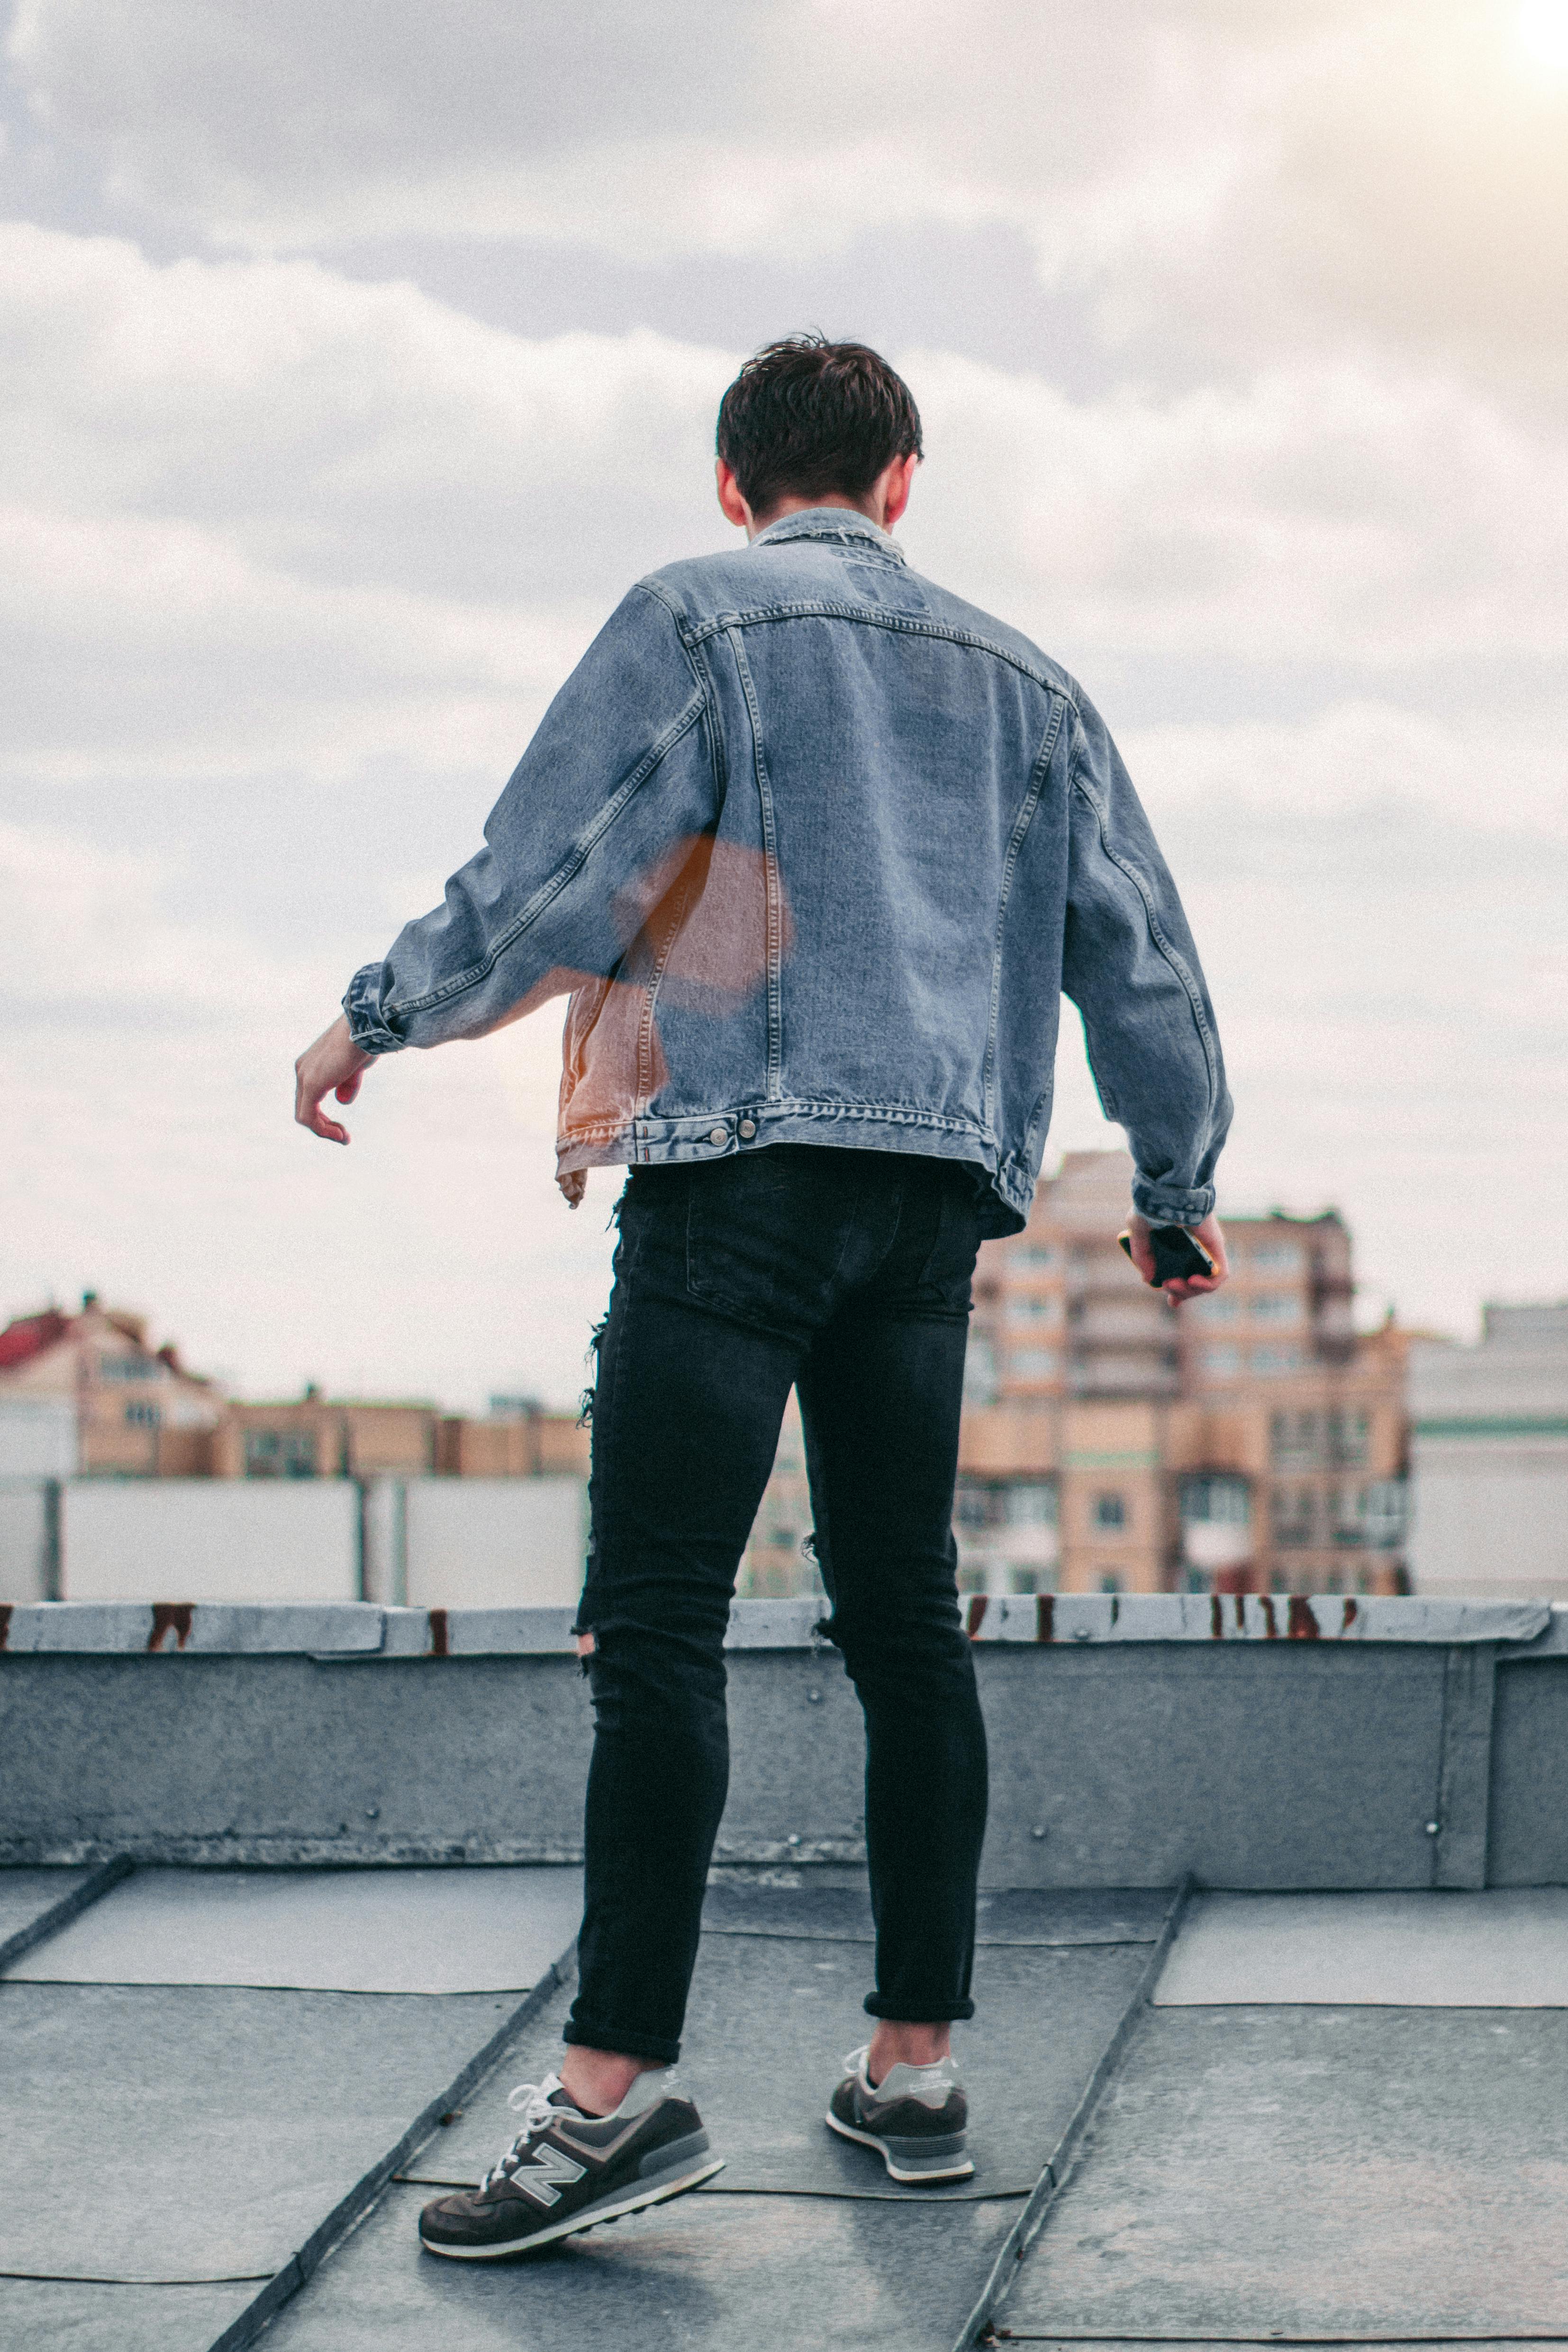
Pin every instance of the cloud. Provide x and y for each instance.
(1223, 184)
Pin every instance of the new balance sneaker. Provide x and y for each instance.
(916, 2118)
(565, 2170)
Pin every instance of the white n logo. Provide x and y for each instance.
(549, 2171)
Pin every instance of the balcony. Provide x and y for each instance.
(1288, 1878)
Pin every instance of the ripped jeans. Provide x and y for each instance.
(845, 1274)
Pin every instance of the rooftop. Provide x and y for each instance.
(1273, 1953)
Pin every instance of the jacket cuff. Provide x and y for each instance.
(363, 1004)
(1161, 1206)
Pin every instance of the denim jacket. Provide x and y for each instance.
(814, 849)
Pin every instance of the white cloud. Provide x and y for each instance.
(1219, 179)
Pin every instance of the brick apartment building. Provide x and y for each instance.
(139, 1412)
(1253, 1441)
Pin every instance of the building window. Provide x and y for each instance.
(1294, 1441)
(1295, 1513)
(1218, 1500)
(1110, 1511)
(1031, 1502)
(142, 1416)
(279, 1454)
(1222, 1363)
(1348, 1435)
(132, 1368)
(1110, 1583)
(1270, 1361)
(1276, 1307)
(1215, 1307)
(980, 1372)
(1033, 1363)
(980, 1502)
(1279, 1257)
(1034, 1254)
(1033, 1306)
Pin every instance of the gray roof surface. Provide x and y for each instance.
(187, 2163)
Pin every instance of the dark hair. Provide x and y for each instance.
(806, 417)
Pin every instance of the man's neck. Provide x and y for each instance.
(792, 505)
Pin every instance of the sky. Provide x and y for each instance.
(354, 360)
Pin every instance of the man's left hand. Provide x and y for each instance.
(332, 1065)
(1196, 1285)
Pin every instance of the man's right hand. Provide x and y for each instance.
(332, 1065)
(1208, 1235)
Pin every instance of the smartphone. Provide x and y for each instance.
(1177, 1256)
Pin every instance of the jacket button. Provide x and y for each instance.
(718, 1135)
(748, 1129)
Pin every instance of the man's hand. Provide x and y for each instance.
(332, 1065)
(1208, 1235)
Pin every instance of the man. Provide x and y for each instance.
(815, 848)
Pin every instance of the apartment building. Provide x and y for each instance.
(1253, 1441)
(139, 1412)
(1248, 1442)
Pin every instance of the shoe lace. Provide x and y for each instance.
(533, 2102)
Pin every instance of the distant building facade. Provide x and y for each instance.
(1489, 1458)
(1253, 1441)
(139, 1412)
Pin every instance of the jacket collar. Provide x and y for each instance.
(841, 524)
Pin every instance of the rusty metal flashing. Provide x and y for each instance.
(338, 1632)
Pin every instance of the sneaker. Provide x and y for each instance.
(566, 2172)
(916, 2118)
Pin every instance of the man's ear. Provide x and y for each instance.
(897, 481)
(735, 509)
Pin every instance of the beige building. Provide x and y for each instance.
(139, 1413)
(1251, 1441)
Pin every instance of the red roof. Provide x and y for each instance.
(30, 1335)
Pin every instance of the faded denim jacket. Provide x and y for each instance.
(815, 849)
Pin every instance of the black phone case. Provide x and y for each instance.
(1177, 1256)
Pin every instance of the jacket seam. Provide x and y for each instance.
(581, 849)
(1021, 823)
(905, 623)
(772, 915)
(1176, 963)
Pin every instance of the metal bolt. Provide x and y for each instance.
(1037, 1832)
(373, 1812)
(1433, 1828)
(813, 1698)
(1081, 1634)
(791, 1841)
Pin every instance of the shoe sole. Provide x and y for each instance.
(963, 2172)
(650, 2192)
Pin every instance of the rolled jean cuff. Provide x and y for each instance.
(904, 2012)
(621, 2043)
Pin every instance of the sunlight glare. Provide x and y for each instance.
(1543, 31)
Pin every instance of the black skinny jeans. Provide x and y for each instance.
(846, 1274)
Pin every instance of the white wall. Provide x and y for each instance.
(37, 1437)
(1489, 1463)
(496, 1543)
(1489, 1518)
(210, 1539)
(24, 1540)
